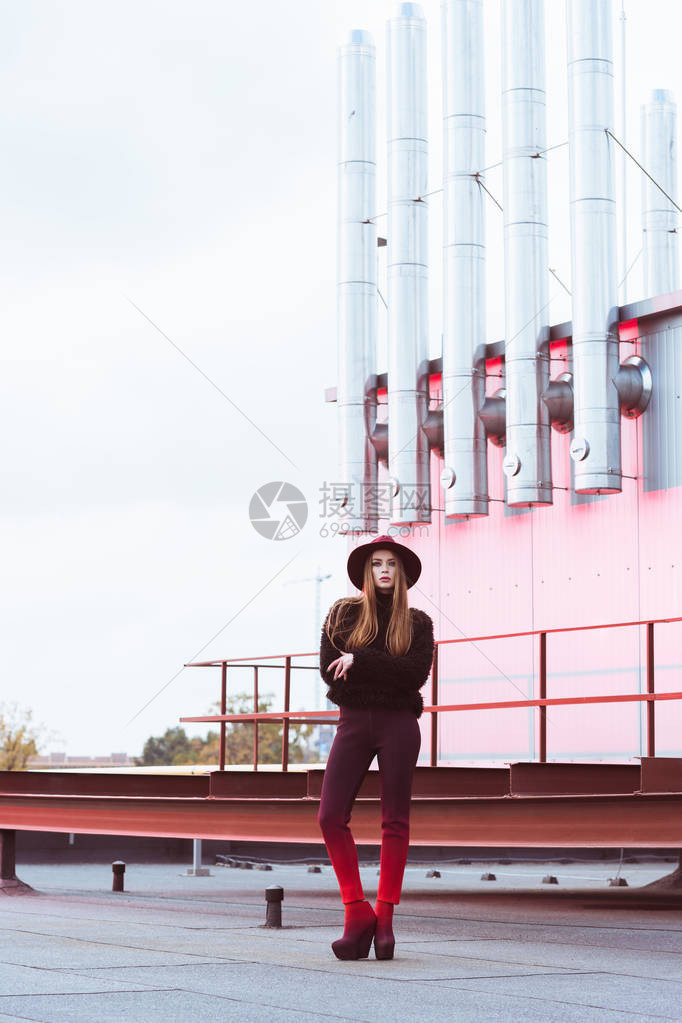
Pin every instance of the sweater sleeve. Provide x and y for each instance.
(408, 672)
(328, 651)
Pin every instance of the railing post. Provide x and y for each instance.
(650, 688)
(223, 706)
(285, 723)
(543, 696)
(255, 711)
(434, 715)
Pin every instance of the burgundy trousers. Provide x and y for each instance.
(394, 737)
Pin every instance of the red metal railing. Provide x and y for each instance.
(288, 717)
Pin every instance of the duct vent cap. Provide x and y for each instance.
(580, 449)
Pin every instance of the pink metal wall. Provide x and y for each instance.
(581, 561)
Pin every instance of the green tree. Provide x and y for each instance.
(239, 735)
(175, 747)
(19, 737)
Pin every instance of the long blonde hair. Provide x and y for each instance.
(353, 621)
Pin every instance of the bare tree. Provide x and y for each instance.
(19, 737)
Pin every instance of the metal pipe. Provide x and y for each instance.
(465, 471)
(528, 461)
(659, 217)
(558, 398)
(623, 159)
(407, 267)
(494, 417)
(595, 447)
(357, 283)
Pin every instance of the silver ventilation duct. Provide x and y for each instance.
(465, 475)
(528, 459)
(408, 352)
(595, 448)
(659, 216)
(356, 309)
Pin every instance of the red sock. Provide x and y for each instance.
(384, 912)
(358, 912)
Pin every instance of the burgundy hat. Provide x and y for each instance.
(357, 557)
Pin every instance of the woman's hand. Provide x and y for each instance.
(341, 665)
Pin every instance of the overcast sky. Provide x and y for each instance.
(181, 158)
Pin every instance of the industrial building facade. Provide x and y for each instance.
(539, 479)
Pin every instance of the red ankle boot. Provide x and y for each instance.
(384, 940)
(358, 931)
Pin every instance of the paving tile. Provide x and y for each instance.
(636, 995)
(49, 952)
(301, 961)
(22, 980)
(564, 956)
(334, 999)
(150, 1007)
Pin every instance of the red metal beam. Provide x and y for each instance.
(270, 715)
(101, 783)
(259, 784)
(458, 639)
(559, 702)
(528, 779)
(313, 715)
(661, 774)
(653, 821)
(566, 628)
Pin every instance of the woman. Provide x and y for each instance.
(375, 655)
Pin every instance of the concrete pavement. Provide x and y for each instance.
(177, 948)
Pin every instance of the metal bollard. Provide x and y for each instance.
(119, 869)
(274, 894)
(196, 870)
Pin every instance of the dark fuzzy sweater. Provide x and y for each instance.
(376, 677)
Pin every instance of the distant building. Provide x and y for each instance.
(62, 760)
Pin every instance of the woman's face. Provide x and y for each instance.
(384, 569)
